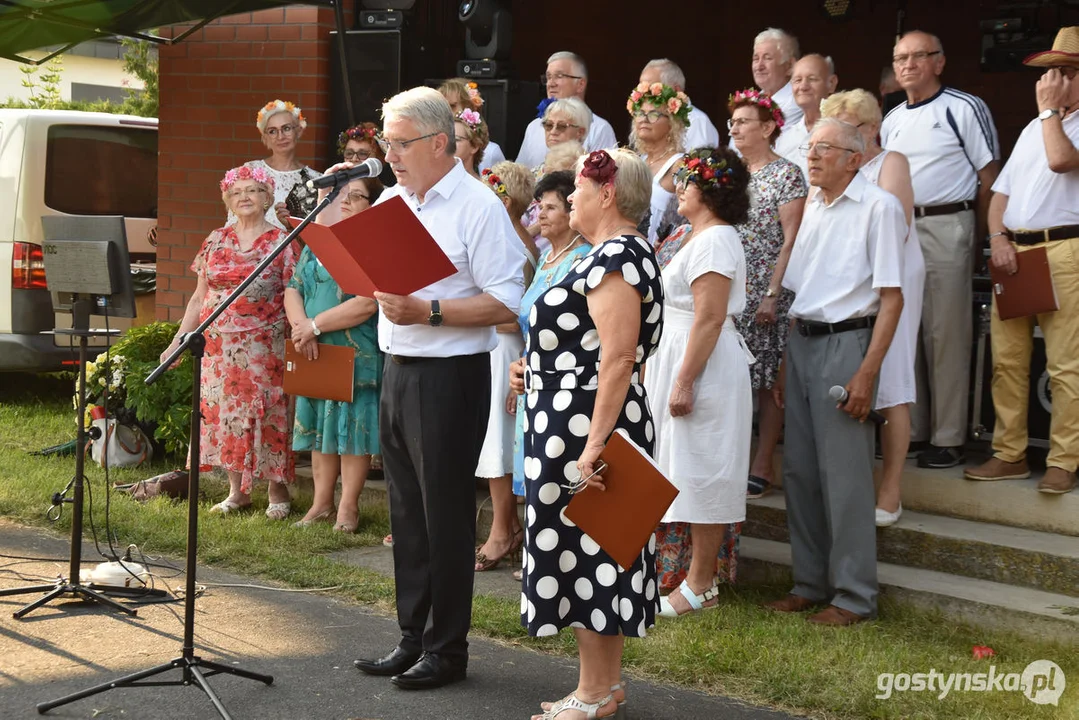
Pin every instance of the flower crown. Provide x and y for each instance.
(474, 96)
(272, 108)
(494, 181)
(760, 99)
(662, 96)
(700, 167)
(363, 131)
(599, 167)
(471, 118)
(246, 173)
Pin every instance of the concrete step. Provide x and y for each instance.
(985, 551)
(981, 603)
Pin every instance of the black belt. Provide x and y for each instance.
(1033, 237)
(809, 328)
(410, 359)
(949, 209)
(407, 360)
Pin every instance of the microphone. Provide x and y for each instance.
(371, 167)
(839, 394)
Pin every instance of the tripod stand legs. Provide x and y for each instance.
(59, 589)
(193, 673)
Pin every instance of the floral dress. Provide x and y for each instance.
(331, 426)
(245, 427)
(777, 183)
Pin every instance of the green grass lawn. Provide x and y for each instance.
(738, 650)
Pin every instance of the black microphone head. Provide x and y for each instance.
(838, 393)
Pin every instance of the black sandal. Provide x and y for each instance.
(758, 487)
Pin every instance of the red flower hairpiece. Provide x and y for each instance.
(760, 99)
(599, 167)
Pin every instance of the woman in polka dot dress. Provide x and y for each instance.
(576, 396)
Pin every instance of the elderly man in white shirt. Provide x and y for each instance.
(845, 271)
(566, 76)
(701, 132)
(436, 388)
(950, 140)
(1036, 205)
(813, 80)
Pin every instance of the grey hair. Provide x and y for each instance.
(939, 46)
(848, 134)
(428, 111)
(578, 62)
(787, 43)
(669, 72)
(827, 59)
(574, 108)
(632, 183)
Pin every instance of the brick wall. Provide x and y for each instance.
(212, 85)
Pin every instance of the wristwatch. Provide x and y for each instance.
(435, 318)
(1047, 113)
(314, 328)
(770, 293)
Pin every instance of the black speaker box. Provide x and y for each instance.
(508, 106)
(374, 60)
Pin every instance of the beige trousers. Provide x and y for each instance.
(1012, 343)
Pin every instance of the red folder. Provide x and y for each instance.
(385, 248)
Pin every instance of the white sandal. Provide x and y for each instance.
(696, 602)
(228, 506)
(571, 702)
(278, 511)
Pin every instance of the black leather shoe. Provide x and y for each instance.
(432, 671)
(396, 662)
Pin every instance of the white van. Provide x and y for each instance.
(55, 162)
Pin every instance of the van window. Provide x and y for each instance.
(97, 170)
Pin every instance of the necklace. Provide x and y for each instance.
(560, 253)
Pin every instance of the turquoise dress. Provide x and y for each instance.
(542, 282)
(330, 426)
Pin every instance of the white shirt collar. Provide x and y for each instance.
(855, 190)
(446, 184)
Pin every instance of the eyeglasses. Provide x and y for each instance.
(558, 126)
(399, 146)
(651, 116)
(822, 148)
(357, 155)
(354, 196)
(250, 191)
(284, 130)
(557, 77)
(739, 122)
(576, 486)
(1066, 70)
(915, 56)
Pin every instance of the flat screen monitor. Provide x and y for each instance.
(86, 258)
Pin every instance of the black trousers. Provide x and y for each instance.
(433, 418)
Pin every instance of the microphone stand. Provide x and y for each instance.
(195, 669)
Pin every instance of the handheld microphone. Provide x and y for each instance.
(839, 394)
(371, 167)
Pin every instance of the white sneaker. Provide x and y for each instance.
(887, 519)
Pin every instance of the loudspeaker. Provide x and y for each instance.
(374, 66)
(508, 107)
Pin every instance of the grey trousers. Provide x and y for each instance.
(947, 329)
(828, 476)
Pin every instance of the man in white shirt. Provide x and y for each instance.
(813, 79)
(436, 388)
(566, 76)
(950, 140)
(845, 271)
(701, 132)
(1036, 204)
(774, 54)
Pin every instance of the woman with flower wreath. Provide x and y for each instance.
(777, 191)
(470, 132)
(660, 118)
(464, 94)
(246, 426)
(281, 125)
(699, 377)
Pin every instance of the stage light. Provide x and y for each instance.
(488, 29)
(837, 9)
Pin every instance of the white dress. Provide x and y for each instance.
(662, 199)
(896, 385)
(284, 181)
(704, 454)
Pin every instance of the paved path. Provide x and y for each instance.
(306, 641)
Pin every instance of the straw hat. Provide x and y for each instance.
(1065, 50)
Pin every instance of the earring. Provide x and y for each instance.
(266, 206)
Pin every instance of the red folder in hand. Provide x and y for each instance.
(385, 248)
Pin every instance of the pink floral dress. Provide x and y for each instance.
(246, 424)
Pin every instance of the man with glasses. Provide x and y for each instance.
(950, 140)
(813, 80)
(566, 77)
(436, 388)
(1036, 204)
(845, 271)
(701, 131)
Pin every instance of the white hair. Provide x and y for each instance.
(579, 67)
(669, 72)
(427, 109)
(826, 59)
(574, 108)
(933, 38)
(848, 134)
(787, 43)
